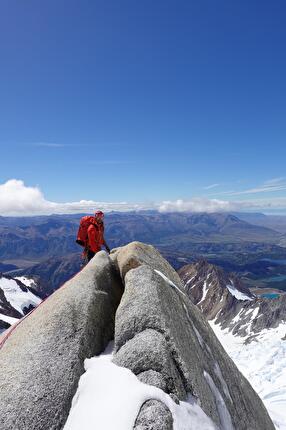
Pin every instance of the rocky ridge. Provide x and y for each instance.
(223, 298)
(50, 274)
(159, 335)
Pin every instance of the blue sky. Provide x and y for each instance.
(144, 101)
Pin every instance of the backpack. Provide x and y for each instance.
(85, 222)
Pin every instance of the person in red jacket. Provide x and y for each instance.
(95, 236)
(91, 235)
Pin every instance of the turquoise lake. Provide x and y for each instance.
(270, 296)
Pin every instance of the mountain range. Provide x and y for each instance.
(38, 237)
(275, 222)
(37, 245)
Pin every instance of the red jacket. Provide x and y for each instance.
(95, 237)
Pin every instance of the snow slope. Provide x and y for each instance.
(110, 397)
(18, 298)
(263, 363)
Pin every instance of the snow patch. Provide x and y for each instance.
(237, 317)
(109, 397)
(236, 293)
(205, 291)
(224, 415)
(26, 281)
(199, 337)
(197, 333)
(254, 314)
(169, 281)
(9, 320)
(190, 280)
(218, 373)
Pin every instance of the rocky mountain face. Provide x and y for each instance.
(16, 299)
(275, 222)
(7, 267)
(50, 274)
(252, 330)
(41, 237)
(223, 297)
(135, 297)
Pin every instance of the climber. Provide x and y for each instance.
(91, 235)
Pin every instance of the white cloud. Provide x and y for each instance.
(49, 145)
(108, 162)
(17, 199)
(59, 145)
(63, 145)
(73, 145)
(209, 187)
(213, 205)
(260, 204)
(275, 184)
(197, 204)
(275, 181)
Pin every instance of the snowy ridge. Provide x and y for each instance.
(119, 395)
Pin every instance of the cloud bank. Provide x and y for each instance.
(197, 204)
(17, 199)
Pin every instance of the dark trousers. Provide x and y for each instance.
(90, 255)
(86, 257)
